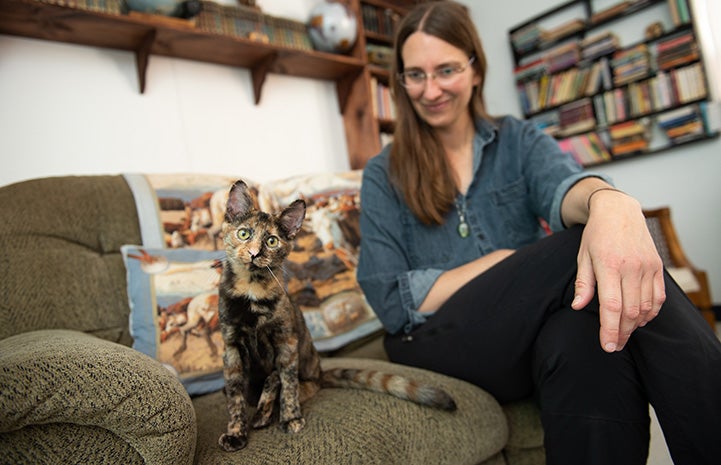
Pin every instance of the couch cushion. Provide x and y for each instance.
(524, 426)
(60, 263)
(348, 426)
(65, 377)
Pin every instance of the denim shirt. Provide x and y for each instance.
(520, 175)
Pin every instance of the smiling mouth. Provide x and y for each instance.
(436, 107)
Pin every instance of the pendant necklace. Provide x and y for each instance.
(463, 229)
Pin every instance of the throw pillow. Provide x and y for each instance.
(173, 297)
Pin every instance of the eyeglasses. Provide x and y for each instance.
(415, 79)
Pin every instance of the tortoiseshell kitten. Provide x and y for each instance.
(269, 354)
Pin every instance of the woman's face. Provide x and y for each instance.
(441, 99)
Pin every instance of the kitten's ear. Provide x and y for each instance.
(240, 202)
(291, 219)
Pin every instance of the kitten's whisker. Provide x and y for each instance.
(281, 287)
(276, 279)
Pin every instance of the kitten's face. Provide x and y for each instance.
(256, 241)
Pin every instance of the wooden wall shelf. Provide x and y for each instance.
(148, 35)
(145, 36)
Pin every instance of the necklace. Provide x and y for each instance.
(463, 229)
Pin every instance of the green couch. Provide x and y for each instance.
(72, 390)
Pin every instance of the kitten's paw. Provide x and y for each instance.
(232, 443)
(293, 426)
(261, 420)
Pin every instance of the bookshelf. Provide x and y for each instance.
(148, 35)
(378, 20)
(614, 82)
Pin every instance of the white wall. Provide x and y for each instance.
(75, 109)
(686, 179)
(69, 109)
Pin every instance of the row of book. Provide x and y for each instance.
(628, 65)
(682, 124)
(555, 60)
(382, 21)
(600, 45)
(249, 22)
(676, 51)
(628, 72)
(622, 139)
(576, 117)
(113, 7)
(612, 11)
(665, 90)
(631, 64)
(383, 107)
(587, 149)
(679, 126)
(550, 91)
(630, 137)
(533, 36)
(680, 13)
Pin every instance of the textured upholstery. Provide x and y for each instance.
(357, 427)
(72, 391)
(62, 377)
(60, 265)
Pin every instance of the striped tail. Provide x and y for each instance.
(395, 385)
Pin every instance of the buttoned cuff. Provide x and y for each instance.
(414, 286)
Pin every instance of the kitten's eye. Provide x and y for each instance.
(244, 234)
(272, 241)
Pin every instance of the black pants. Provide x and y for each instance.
(512, 332)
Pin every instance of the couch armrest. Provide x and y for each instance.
(51, 378)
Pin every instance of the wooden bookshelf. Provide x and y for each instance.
(582, 85)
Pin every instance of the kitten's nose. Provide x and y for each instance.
(253, 252)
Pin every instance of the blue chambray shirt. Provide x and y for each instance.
(520, 175)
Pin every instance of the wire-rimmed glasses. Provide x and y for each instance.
(415, 79)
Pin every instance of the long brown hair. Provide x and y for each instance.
(418, 165)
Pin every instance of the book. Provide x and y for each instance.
(610, 12)
(566, 29)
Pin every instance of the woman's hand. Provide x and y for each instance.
(617, 257)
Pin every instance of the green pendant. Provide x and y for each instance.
(463, 229)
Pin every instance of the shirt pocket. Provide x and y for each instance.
(513, 212)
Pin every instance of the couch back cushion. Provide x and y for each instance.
(60, 261)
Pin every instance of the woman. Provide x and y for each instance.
(457, 266)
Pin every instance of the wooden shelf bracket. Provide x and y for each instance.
(344, 89)
(142, 55)
(259, 72)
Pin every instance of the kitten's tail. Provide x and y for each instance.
(395, 385)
